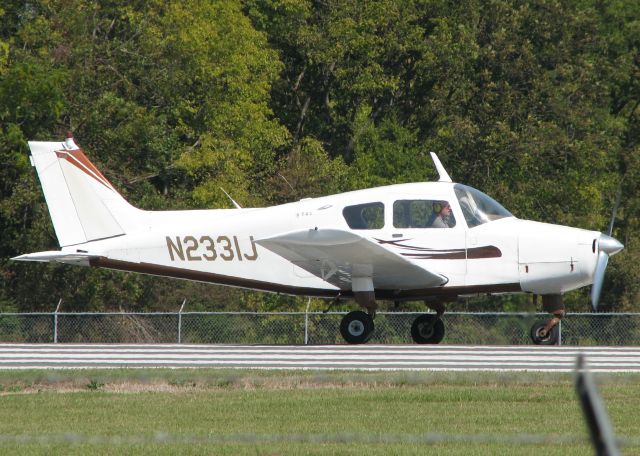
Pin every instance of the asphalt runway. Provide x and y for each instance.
(360, 357)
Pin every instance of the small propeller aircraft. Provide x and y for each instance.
(431, 241)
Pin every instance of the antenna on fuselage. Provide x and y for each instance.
(444, 176)
(232, 200)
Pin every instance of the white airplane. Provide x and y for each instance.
(432, 241)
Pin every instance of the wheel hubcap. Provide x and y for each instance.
(356, 328)
(542, 335)
(426, 330)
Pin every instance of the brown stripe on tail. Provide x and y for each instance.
(77, 158)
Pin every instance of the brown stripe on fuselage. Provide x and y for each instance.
(427, 253)
(220, 279)
(438, 255)
(209, 277)
(451, 291)
(488, 251)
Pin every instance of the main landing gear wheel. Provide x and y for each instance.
(427, 329)
(539, 338)
(356, 327)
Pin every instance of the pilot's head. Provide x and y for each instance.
(441, 207)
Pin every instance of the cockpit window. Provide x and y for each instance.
(369, 216)
(422, 214)
(477, 207)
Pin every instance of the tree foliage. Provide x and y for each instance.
(535, 102)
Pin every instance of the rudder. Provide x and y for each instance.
(83, 204)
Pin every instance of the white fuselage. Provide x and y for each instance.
(219, 246)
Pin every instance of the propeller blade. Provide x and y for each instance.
(615, 206)
(598, 278)
(607, 246)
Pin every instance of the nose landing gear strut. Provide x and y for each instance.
(547, 332)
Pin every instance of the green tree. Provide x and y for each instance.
(534, 102)
(163, 109)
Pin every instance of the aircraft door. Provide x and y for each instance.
(492, 240)
(492, 255)
(427, 232)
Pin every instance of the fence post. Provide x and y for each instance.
(560, 332)
(306, 323)
(180, 321)
(55, 322)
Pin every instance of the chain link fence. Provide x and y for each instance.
(299, 328)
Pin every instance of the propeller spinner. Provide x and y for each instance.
(607, 246)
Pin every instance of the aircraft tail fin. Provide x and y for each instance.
(83, 204)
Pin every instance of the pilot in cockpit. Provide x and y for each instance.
(443, 217)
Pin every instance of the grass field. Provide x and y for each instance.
(303, 412)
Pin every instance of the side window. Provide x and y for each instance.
(369, 216)
(422, 214)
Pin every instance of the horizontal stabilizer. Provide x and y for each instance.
(81, 259)
(337, 256)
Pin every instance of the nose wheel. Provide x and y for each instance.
(357, 327)
(547, 332)
(540, 335)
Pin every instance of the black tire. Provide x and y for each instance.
(550, 339)
(427, 329)
(356, 327)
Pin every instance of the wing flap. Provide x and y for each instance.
(337, 256)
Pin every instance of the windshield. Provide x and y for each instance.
(477, 207)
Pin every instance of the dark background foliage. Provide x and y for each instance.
(535, 102)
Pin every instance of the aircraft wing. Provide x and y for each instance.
(336, 256)
(56, 257)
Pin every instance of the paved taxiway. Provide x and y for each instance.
(370, 357)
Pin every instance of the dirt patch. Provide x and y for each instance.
(190, 385)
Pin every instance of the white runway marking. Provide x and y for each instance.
(362, 357)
